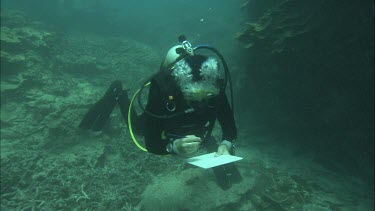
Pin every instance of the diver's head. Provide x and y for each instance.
(172, 56)
(197, 77)
(178, 52)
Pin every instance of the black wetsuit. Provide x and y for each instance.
(165, 98)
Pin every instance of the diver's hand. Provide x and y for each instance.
(187, 145)
(222, 150)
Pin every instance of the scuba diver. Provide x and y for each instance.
(185, 99)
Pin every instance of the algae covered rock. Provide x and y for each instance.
(21, 32)
(8, 36)
(283, 21)
(194, 189)
(83, 55)
(21, 42)
(14, 18)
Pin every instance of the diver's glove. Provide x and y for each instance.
(184, 146)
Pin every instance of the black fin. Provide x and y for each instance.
(227, 175)
(98, 115)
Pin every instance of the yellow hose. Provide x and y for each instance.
(130, 122)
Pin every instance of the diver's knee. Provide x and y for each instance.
(116, 84)
(115, 87)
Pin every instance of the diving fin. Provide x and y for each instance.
(227, 175)
(98, 115)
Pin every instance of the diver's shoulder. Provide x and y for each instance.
(162, 77)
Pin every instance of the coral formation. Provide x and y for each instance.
(309, 66)
(46, 163)
(263, 188)
(22, 43)
(283, 21)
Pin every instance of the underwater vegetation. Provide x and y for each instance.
(45, 162)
